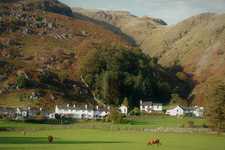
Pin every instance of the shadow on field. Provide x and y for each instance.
(44, 140)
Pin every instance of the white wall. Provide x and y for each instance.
(177, 111)
(151, 108)
(80, 114)
(157, 107)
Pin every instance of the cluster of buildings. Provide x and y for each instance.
(81, 112)
(96, 112)
(187, 111)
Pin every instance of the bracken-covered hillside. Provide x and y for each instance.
(196, 44)
(41, 45)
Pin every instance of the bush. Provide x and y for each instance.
(136, 111)
(204, 125)
(37, 119)
(115, 116)
(190, 124)
(22, 81)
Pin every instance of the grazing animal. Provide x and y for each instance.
(50, 139)
(154, 142)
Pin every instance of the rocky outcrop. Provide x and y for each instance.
(47, 5)
(52, 6)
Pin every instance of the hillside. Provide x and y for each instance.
(133, 26)
(41, 46)
(196, 44)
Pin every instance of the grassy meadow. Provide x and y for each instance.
(96, 139)
(83, 136)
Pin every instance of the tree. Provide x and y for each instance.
(22, 81)
(126, 102)
(176, 99)
(215, 107)
(113, 73)
(182, 76)
(115, 116)
(136, 111)
(109, 87)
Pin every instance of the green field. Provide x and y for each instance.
(78, 137)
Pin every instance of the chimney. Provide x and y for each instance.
(56, 109)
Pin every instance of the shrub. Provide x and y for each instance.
(204, 125)
(136, 111)
(190, 124)
(22, 81)
(115, 116)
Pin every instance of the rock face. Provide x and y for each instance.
(196, 44)
(47, 5)
(52, 6)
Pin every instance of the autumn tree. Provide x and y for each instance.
(215, 107)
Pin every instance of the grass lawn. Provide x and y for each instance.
(72, 137)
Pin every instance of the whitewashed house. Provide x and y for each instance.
(148, 106)
(8, 112)
(29, 112)
(123, 109)
(81, 112)
(191, 111)
(177, 111)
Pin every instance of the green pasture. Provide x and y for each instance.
(97, 139)
(92, 135)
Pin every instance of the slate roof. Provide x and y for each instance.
(149, 103)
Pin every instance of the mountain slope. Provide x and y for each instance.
(196, 44)
(40, 51)
(136, 27)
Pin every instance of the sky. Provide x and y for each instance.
(171, 11)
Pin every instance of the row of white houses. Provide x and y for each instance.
(78, 112)
(145, 106)
(96, 112)
(85, 112)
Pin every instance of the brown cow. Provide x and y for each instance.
(50, 139)
(154, 142)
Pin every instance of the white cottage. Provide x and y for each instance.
(192, 111)
(149, 106)
(177, 111)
